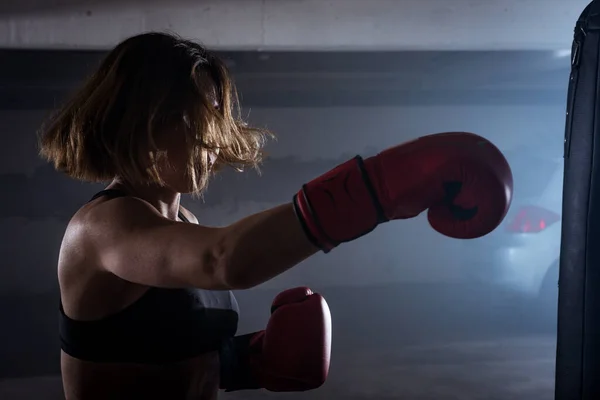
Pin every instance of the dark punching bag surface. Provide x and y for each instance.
(578, 351)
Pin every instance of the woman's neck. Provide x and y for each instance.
(165, 200)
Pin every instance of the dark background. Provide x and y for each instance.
(402, 286)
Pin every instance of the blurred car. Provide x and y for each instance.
(522, 254)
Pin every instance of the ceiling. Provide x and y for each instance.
(306, 25)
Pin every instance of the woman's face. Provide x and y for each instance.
(173, 168)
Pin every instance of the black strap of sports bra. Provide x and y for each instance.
(182, 217)
(113, 193)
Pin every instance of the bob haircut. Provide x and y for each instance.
(149, 85)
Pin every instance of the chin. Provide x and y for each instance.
(187, 191)
(183, 188)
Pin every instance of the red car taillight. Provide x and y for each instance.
(531, 219)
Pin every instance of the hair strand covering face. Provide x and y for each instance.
(149, 86)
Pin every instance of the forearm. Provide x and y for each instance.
(264, 245)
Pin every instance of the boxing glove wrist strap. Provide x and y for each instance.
(339, 206)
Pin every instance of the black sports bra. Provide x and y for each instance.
(164, 325)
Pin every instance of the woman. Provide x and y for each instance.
(145, 301)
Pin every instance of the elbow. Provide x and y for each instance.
(229, 273)
(239, 284)
(235, 278)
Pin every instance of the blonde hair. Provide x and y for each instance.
(150, 84)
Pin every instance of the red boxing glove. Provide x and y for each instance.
(291, 355)
(461, 178)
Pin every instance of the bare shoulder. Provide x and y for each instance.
(105, 220)
(106, 215)
(188, 215)
(128, 238)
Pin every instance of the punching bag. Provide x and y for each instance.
(578, 350)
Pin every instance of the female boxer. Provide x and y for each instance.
(146, 308)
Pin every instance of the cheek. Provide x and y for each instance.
(175, 147)
(178, 159)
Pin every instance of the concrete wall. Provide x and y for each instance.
(297, 24)
(36, 202)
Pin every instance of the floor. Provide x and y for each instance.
(511, 368)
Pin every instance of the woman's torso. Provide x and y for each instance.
(123, 340)
(196, 378)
